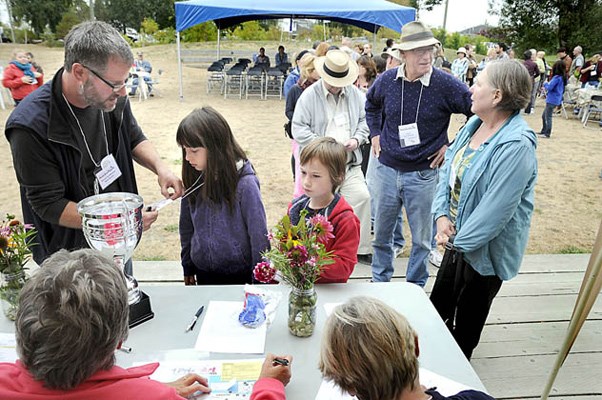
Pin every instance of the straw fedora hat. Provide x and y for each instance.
(337, 68)
(415, 35)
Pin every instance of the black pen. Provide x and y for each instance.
(280, 361)
(196, 316)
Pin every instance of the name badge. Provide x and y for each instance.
(408, 135)
(108, 172)
(341, 120)
(593, 72)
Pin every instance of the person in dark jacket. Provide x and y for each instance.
(68, 134)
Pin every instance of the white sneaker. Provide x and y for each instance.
(435, 258)
(397, 251)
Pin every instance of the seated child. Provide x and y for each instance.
(223, 228)
(323, 164)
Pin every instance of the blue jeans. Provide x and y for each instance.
(392, 190)
(547, 119)
(398, 239)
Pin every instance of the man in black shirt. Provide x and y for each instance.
(71, 130)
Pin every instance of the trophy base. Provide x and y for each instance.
(141, 311)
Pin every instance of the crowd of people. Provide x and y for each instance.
(369, 137)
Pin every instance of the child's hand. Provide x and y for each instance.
(189, 280)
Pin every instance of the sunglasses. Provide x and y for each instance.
(115, 88)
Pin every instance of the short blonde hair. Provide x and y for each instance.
(307, 66)
(331, 154)
(369, 349)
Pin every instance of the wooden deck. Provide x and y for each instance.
(524, 331)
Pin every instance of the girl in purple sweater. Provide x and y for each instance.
(223, 228)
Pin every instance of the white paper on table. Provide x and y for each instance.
(222, 333)
(8, 347)
(228, 379)
(329, 307)
(330, 391)
(447, 387)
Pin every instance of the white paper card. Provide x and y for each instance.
(222, 333)
(8, 347)
(109, 171)
(408, 135)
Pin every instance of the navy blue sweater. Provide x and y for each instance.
(444, 96)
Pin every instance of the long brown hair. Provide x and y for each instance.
(205, 127)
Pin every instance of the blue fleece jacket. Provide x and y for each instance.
(496, 199)
(217, 240)
(445, 95)
(555, 90)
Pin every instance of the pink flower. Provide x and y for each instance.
(264, 272)
(270, 236)
(298, 255)
(322, 228)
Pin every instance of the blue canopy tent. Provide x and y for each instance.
(369, 15)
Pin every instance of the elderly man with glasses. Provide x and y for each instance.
(76, 137)
(408, 110)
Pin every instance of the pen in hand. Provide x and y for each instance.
(194, 319)
(280, 361)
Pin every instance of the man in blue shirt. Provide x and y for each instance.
(408, 111)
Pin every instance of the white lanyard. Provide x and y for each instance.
(417, 108)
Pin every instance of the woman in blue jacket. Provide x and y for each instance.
(485, 199)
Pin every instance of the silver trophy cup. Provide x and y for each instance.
(112, 224)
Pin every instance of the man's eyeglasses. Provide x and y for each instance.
(423, 50)
(116, 88)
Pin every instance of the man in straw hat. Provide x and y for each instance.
(334, 107)
(408, 111)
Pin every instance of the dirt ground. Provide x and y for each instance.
(568, 205)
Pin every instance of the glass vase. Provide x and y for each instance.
(10, 289)
(302, 311)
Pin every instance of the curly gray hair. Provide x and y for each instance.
(93, 43)
(73, 313)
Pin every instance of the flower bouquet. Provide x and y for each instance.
(297, 256)
(15, 239)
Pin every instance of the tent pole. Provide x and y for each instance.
(219, 34)
(374, 39)
(179, 65)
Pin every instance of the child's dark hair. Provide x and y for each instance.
(331, 154)
(205, 127)
(559, 69)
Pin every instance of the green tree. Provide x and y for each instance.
(548, 24)
(131, 13)
(69, 20)
(40, 13)
(250, 30)
(205, 32)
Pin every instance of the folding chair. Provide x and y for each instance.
(216, 76)
(274, 83)
(254, 82)
(567, 101)
(593, 108)
(234, 80)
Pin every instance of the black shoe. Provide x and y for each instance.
(131, 94)
(364, 259)
(543, 135)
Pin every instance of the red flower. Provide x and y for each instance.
(322, 228)
(264, 272)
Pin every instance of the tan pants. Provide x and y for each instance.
(355, 191)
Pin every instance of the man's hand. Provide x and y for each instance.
(168, 180)
(270, 369)
(438, 158)
(376, 146)
(148, 218)
(189, 280)
(351, 144)
(445, 229)
(190, 384)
